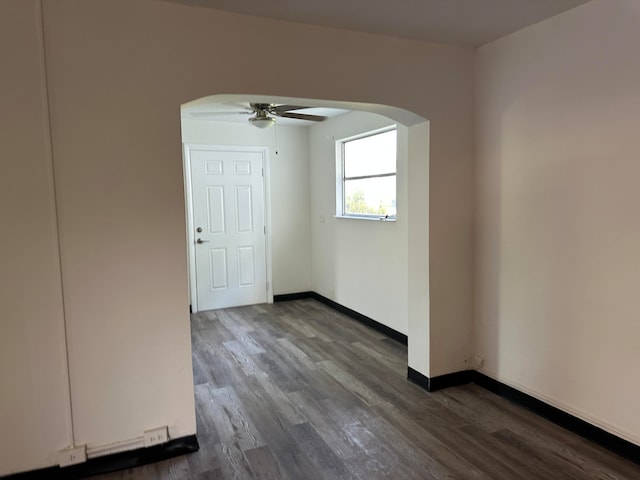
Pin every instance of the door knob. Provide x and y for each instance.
(201, 241)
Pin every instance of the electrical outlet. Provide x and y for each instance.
(72, 456)
(478, 361)
(156, 436)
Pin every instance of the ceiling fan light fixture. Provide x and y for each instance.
(262, 120)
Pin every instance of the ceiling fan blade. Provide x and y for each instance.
(302, 116)
(278, 109)
(216, 114)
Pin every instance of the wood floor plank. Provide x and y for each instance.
(289, 411)
(208, 475)
(349, 382)
(233, 464)
(233, 423)
(393, 362)
(333, 434)
(307, 329)
(423, 448)
(299, 391)
(218, 366)
(206, 419)
(540, 462)
(203, 320)
(314, 447)
(297, 354)
(233, 320)
(265, 465)
(599, 463)
(243, 358)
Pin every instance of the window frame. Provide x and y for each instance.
(340, 177)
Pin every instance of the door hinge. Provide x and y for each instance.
(265, 229)
(267, 286)
(263, 172)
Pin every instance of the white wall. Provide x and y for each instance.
(289, 189)
(103, 86)
(557, 212)
(360, 264)
(112, 66)
(34, 397)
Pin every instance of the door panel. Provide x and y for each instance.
(227, 189)
(215, 210)
(218, 268)
(246, 267)
(244, 215)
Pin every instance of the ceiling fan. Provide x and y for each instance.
(264, 114)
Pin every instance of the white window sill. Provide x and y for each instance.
(374, 219)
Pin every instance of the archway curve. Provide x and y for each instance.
(400, 115)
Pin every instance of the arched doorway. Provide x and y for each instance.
(413, 181)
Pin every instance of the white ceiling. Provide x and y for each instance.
(469, 23)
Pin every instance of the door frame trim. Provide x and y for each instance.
(188, 195)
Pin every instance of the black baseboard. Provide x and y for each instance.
(419, 379)
(611, 442)
(369, 322)
(287, 297)
(114, 462)
(438, 383)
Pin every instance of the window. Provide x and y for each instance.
(366, 175)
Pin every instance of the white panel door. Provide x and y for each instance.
(227, 189)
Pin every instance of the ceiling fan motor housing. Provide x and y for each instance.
(262, 118)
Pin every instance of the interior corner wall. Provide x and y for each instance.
(289, 192)
(34, 397)
(360, 264)
(558, 268)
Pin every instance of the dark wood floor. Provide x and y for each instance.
(298, 391)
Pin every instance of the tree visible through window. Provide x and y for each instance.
(368, 175)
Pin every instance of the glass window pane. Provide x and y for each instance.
(371, 155)
(370, 196)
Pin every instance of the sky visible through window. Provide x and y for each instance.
(374, 158)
